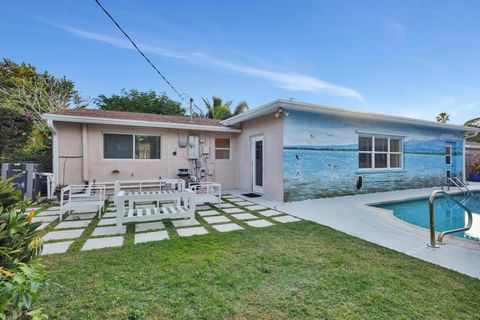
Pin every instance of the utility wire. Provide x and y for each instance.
(138, 49)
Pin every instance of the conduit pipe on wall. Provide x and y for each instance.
(85, 151)
(54, 151)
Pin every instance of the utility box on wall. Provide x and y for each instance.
(193, 147)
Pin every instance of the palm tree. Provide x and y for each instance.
(221, 111)
(443, 117)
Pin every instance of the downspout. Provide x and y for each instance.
(464, 161)
(85, 151)
(54, 151)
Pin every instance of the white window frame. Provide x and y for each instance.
(229, 149)
(133, 150)
(388, 152)
(450, 154)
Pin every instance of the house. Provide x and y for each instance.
(472, 157)
(284, 150)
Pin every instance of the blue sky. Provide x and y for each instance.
(411, 58)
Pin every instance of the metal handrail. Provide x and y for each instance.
(450, 180)
(461, 183)
(431, 202)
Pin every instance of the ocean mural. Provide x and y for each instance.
(321, 156)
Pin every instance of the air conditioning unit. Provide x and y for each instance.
(193, 147)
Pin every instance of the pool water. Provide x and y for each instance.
(447, 215)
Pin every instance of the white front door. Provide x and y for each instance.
(257, 163)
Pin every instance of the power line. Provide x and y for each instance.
(138, 49)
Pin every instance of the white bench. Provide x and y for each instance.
(183, 207)
(113, 187)
(82, 198)
(207, 192)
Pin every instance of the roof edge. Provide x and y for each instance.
(136, 123)
(272, 106)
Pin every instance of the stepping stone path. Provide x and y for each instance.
(56, 247)
(43, 226)
(100, 243)
(149, 226)
(225, 205)
(45, 219)
(208, 213)
(80, 216)
(217, 219)
(56, 208)
(244, 216)
(64, 234)
(245, 203)
(73, 224)
(259, 223)
(110, 214)
(202, 208)
(236, 199)
(185, 223)
(187, 232)
(227, 227)
(256, 207)
(233, 210)
(270, 213)
(151, 236)
(107, 222)
(284, 219)
(108, 231)
(47, 213)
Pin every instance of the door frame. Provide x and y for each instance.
(253, 140)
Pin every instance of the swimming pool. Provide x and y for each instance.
(447, 216)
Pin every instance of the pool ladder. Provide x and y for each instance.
(459, 184)
(431, 203)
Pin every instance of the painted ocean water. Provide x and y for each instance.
(320, 174)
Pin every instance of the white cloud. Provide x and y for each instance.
(286, 80)
(395, 26)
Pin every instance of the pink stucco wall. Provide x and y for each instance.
(81, 155)
(272, 130)
(74, 168)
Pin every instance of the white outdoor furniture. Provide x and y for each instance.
(183, 205)
(82, 198)
(207, 192)
(176, 185)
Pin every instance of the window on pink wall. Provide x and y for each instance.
(222, 148)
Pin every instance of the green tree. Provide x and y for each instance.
(15, 129)
(137, 101)
(443, 117)
(475, 122)
(32, 93)
(216, 109)
(24, 88)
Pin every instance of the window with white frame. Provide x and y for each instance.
(131, 146)
(380, 152)
(222, 148)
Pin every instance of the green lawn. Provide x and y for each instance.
(293, 271)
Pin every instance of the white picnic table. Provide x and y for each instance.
(182, 205)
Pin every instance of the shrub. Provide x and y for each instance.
(15, 129)
(21, 276)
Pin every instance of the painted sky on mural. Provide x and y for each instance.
(310, 129)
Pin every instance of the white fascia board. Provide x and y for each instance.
(472, 145)
(293, 105)
(137, 123)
